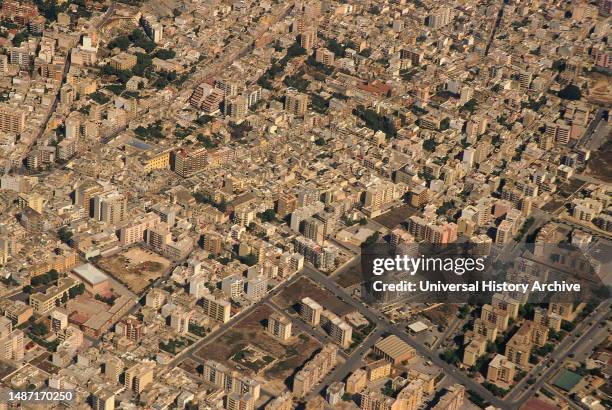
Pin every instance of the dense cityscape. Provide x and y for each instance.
(188, 189)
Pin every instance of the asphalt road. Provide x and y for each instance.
(314, 332)
(588, 134)
(353, 362)
(386, 327)
(584, 332)
(498, 19)
(547, 368)
(190, 352)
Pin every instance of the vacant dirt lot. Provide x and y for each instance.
(307, 288)
(251, 332)
(396, 216)
(600, 164)
(135, 267)
(350, 276)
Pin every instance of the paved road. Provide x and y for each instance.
(315, 333)
(353, 362)
(388, 328)
(588, 134)
(546, 369)
(450, 330)
(206, 72)
(590, 179)
(582, 227)
(53, 107)
(584, 332)
(190, 351)
(516, 398)
(500, 14)
(107, 15)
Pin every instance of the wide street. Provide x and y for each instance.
(517, 397)
(190, 352)
(584, 332)
(387, 327)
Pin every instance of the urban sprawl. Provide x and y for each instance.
(186, 188)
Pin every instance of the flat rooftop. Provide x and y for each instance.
(90, 273)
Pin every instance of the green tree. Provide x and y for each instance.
(39, 329)
(464, 311)
(570, 92)
(165, 54)
(450, 357)
(76, 291)
(444, 124)
(65, 235)
(320, 141)
(267, 216)
(248, 260)
(122, 43)
(19, 38)
(429, 145)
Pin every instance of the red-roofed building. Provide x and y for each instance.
(377, 88)
(537, 404)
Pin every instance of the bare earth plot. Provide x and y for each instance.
(135, 267)
(396, 216)
(600, 165)
(248, 348)
(350, 276)
(306, 288)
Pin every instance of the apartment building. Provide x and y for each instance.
(12, 119)
(340, 331)
(110, 207)
(43, 303)
(506, 303)
(432, 232)
(123, 61)
(32, 201)
(378, 370)
(410, 397)
(518, 348)
(586, 209)
(103, 399)
(308, 38)
(113, 367)
(324, 56)
(139, 376)
(373, 399)
(501, 371)
(11, 341)
(495, 316)
(279, 326)
(237, 401)
(228, 380)
(296, 103)
(547, 319)
(153, 28)
(357, 381)
(453, 398)
(134, 231)
(310, 311)
(474, 349)
(314, 370)
(131, 328)
(186, 163)
(216, 309)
